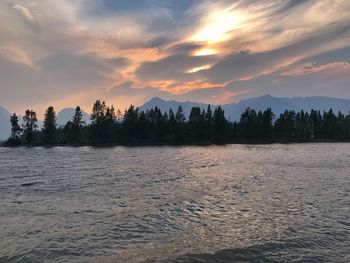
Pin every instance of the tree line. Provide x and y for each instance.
(153, 126)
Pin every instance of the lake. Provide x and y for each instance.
(235, 203)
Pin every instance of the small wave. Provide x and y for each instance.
(31, 183)
(268, 252)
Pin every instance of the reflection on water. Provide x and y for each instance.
(267, 203)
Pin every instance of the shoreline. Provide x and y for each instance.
(132, 145)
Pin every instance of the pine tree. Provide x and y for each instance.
(29, 126)
(49, 125)
(180, 115)
(110, 120)
(98, 117)
(78, 118)
(248, 124)
(76, 125)
(98, 112)
(209, 123)
(130, 122)
(267, 124)
(220, 125)
(194, 124)
(15, 128)
(181, 124)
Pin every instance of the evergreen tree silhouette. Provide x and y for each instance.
(130, 122)
(49, 127)
(181, 124)
(98, 117)
(77, 124)
(16, 131)
(15, 128)
(73, 128)
(209, 123)
(29, 126)
(194, 124)
(248, 124)
(180, 115)
(267, 124)
(220, 125)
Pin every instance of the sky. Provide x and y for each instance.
(71, 52)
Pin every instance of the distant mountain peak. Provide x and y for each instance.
(156, 99)
(66, 114)
(265, 96)
(277, 104)
(3, 110)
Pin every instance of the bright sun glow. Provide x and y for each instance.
(205, 52)
(196, 69)
(217, 27)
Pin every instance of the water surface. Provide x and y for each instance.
(237, 203)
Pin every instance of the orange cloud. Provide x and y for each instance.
(226, 96)
(178, 88)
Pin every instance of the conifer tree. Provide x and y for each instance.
(98, 116)
(180, 115)
(220, 125)
(15, 128)
(76, 125)
(29, 125)
(49, 127)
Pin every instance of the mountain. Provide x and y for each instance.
(277, 104)
(280, 104)
(4, 124)
(164, 105)
(66, 115)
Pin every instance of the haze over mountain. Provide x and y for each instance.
(165, 105)
(280, 104)
(66, 115)
(4, 123)
(277, 104)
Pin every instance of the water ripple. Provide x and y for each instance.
(255, 203)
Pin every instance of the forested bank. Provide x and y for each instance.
(153, 127)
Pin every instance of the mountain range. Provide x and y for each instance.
(232, 110)
(277, 104)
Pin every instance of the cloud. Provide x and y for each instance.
(24, 12)
(60, 75)
(307, 80)
(49, 56)
(226, 96)
(174, 67)
(335, 67)
(245, 63)
(210, 51)
(16, 55)
(292, 4)
(184, 48)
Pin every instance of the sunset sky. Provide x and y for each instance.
(71, 52)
